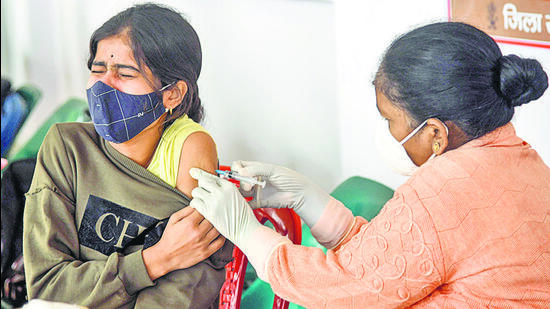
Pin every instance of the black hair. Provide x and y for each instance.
(455, 72)
(164, 41)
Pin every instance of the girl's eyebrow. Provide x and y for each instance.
(117, 66)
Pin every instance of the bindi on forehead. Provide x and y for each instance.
(114, 47)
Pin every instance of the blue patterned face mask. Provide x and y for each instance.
(118, 117)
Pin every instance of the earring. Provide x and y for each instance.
(435, 147)
(170, 111)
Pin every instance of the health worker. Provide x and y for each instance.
(469, 229)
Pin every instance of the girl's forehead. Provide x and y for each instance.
(115, 48)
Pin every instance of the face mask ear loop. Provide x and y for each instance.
(446, 129)
(161, 90)
(165, 87)
(403, 141)
(418, 128)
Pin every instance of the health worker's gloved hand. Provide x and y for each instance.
(284, 188)
(221, 203)
(329, 220)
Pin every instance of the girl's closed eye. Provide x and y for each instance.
(126, 73)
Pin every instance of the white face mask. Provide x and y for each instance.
(393, 152)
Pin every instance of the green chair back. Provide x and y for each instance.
(258, 295)
(363, 196)
(31, 94)
(74, 109)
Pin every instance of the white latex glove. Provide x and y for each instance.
(329, 220)
(284, 188)
(221, 203)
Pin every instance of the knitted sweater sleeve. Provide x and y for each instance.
(393, 261)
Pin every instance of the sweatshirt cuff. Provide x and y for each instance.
(132, 273)
(259, 247)
(333, 225)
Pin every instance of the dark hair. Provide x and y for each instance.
(162, 39)
(454, 72)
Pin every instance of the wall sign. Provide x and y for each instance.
(523, 22)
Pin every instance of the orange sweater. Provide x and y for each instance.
(471, 228)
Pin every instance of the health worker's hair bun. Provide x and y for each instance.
(522, 80)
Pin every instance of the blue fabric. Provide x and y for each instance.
(14, 113)
(118, 117)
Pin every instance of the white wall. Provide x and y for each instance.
(283, 81)
(268, 83)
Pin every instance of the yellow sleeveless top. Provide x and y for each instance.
(166, 159)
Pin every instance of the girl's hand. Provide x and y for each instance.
(187, 240)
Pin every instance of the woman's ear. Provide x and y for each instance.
(173, 96)
(440, 140)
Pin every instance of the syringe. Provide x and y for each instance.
(234, 175)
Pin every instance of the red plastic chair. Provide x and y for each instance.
(287, 223)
